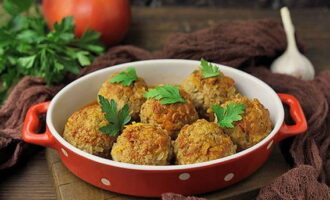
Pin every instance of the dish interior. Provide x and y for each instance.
(84, 90)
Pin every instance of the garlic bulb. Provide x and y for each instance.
(292, 62)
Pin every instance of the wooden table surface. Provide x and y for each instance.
(150, 28)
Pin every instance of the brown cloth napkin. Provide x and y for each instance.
(29, 91)
(241, 44)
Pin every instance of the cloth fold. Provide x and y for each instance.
(29, 91)
(242, 44)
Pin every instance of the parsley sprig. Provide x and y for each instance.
(167, 94)
(117, 119)
(29, 48)
(226, 116)
(126, 78)
(209, 70)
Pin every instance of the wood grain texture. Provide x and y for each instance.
(68, 186)
(252, 4)
(29, 181)
(149, 30)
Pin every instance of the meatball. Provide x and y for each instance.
(205, 92)
(171, 117)
(82, 131)
(131, 95)
(143, 144)
(254, 126)
(202, 141)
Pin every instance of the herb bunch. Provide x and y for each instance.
(29, 48)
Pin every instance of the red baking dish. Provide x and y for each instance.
(152, 181)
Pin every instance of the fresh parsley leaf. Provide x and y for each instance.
(88, 41)
(167, 94)
(209, 70)
(83, 59)
(26, 62)
(28, 48)
(116, 119)
(126, 78)
(226, 116)
(15, 7)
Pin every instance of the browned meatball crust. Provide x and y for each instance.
(171, 117)
(82, 131)
(254, 126)
(202, 141)
(131, 95)
(205, 92)
(143, 144)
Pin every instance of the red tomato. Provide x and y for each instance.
(109, 17)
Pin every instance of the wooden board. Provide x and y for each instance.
(68, 186)
(28, 181)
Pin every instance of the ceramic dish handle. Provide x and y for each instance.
(296, 114)
(31, 124)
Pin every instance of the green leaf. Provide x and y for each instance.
(126, 78)
(18, 22)
(66, 25)
(9, 79)
(70, 65)
(26, 62)
(117, 119)
(109, 130)
(89, 41)
(96, 48)
(63, 32)
(209, 70)
(28, 36)
(12, 60)
(90, 35)
(66, 36)
(83, 59)
(15, 7)
(38, 24)
(58, 66)
(167, 94)
(124, 116)
(231, 113)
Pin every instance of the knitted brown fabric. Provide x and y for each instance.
(237, 44)
(28, 91)
(232, 44)
(310, 150)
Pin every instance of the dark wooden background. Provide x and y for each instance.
(258, 4)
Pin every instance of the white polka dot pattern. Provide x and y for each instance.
(64, 152)
(270, 144)
(229, 177)
(105, 181)
(184, 176)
